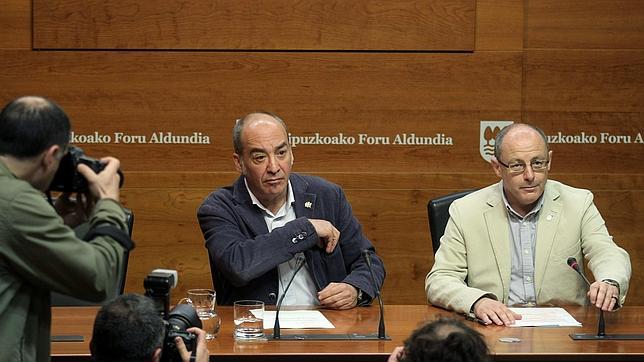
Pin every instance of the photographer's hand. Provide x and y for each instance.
(105, 184)
(202, 355)
(74, 211)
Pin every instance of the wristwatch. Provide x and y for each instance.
(612, 282)
(359, 299)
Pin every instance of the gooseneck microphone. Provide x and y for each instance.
(572, 262)
(381, 325)
(601, 326)
(300, 261)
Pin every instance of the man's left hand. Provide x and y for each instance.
(74, 211)
(603, 296)
(338, 296)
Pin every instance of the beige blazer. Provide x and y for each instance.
(474, 257)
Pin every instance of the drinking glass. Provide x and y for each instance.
(249, 320)
(205, 302)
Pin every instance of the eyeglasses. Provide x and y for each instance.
(519, 167)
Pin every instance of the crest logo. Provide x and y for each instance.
(489, 130)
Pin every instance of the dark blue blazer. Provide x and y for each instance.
(244, 256)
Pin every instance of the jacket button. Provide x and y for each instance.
(294, 240)
(272, 296)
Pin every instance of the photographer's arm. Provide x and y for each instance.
(49, 255)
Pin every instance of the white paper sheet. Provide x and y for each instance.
(544, 317)
(300, 319)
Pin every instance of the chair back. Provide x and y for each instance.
(63, 300)
(438, 214)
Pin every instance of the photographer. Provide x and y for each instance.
(129, 328)
(39, 253)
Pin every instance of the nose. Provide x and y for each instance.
(272, 166)
(528, 173)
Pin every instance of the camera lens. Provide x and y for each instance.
(184, 316)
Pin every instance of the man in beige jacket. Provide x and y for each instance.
(507, 244)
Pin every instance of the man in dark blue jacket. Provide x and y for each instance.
(256, 228)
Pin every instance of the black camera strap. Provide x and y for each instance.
(112, 231)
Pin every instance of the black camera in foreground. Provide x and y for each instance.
(183, 316)
(68, 179)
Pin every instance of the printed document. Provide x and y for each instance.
(300, 319)
(544, 317)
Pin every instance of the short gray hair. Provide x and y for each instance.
(239, 127)
(498, 141)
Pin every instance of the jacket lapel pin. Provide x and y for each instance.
(308, 204)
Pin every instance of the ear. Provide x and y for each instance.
(51, 156)
(238, 163)
(496, 166)
(156, 355)
(549, 158)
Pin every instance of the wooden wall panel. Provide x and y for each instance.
(499, 25)
(584, 80)
(426, 94)
(597, 24)
(15, 24)
(272, 25)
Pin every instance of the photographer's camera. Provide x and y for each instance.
(68, 179)
(183, 316)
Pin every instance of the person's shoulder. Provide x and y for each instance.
(313, 183)
(19, 199)
(223, 195)
(481, 195)
(12, 190)
(567, 192)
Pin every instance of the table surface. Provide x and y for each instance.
(538, 344)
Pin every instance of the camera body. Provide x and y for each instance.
(183, 316)
(67, 177)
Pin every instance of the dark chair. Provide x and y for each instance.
(62, 300)
(438, 213)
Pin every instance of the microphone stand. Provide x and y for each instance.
(601, 325)
(381, 324)
(276, 326)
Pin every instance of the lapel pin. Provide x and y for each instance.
(308, 204)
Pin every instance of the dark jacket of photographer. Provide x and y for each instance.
(244, 256)
(39, 254)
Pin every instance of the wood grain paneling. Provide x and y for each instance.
(15, 24)
(597, 24)
(374, 94)
(585, 80)
(499, 25)
(265, 25)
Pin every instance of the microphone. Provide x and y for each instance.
(572, 262)
(381, 325)
(300, 261)
(601, 327)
